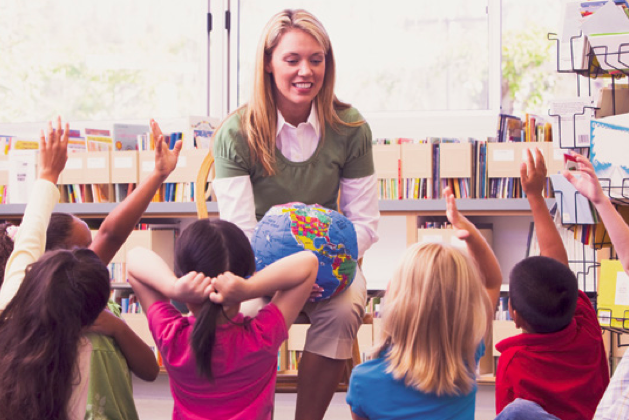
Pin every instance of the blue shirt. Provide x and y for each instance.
(376, 395)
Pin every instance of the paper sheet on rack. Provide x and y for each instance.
(571, 122)
(572, 42)
(609, 19)
(612, 51)
(607, 31)
(609, 149)
(575, 208)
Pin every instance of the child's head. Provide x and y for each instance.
(66, 231)
(543, 293)
(62, 293)
(435, 315)
(211, 247)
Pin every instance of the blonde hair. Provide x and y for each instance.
(436, 313)
(259, 119)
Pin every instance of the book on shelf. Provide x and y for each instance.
(200, 132)
(22, 174)
(613, 295)
(125, 136)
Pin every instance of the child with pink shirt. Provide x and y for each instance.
(221, 364)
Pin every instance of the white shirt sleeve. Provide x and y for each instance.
(30, 240)
(235, 202)
(359, 203)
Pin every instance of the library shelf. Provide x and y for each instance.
(480, 207)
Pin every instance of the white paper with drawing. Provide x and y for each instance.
(609, 149)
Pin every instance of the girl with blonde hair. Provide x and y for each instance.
(295, 141)
(438, 309)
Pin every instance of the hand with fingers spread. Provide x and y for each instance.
(191, 288)
(165, 158)
(228, 289)
(53, 152)
(459, 222)
(533, 173)
(587, 182)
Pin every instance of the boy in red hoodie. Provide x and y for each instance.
(559, 360)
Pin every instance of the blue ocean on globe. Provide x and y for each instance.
(289, 228)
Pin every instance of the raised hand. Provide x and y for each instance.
(533, 173)
(587, 182)
(191, 288)
(228, 289)
(53, 153)
(165, 158)
(459, 222)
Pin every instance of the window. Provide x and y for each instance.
(397, 56)
(113, 60)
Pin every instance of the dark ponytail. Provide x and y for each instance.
(211, 247)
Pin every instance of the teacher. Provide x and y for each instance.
(295, 141)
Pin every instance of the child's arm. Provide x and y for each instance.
(533, 177)
(31, 237)
(120, 222)
(478, 247)
(589, 186)
(138, 354)
(152, 280)
(290, 279)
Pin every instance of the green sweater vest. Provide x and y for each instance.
(315, 181)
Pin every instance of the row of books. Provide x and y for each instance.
(502, 311)
(104, 176)
(105, 164)
(419, 169)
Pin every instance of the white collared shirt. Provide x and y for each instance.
(359, 199)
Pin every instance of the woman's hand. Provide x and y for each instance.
(53, 153)
(165, 158)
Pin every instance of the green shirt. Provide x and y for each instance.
(110, 394)
(344, 154)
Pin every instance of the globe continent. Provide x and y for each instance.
(289, 228)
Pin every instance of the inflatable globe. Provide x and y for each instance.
(289, 228)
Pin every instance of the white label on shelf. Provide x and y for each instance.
(458, 242)
(4, 165)
(74, 163)
(431, 238)
(507, 155)
(525, 156)
(604, 317)
(123, 163)
(622, 289)
(148, 166)
(96, 163)
(182, 162)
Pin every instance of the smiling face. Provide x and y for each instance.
(297, 66)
